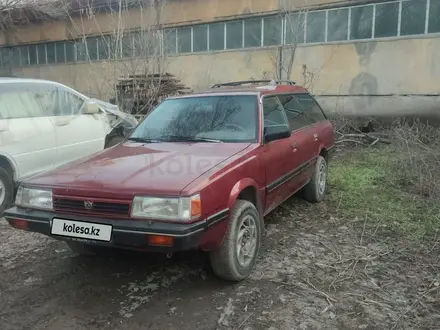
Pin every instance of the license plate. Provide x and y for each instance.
(79, 229)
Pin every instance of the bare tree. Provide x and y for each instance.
(135, 56)
(14, 13)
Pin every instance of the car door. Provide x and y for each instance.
(301, 139)
(321, 129)
(26, 132)
(77, 134)
(278, 156)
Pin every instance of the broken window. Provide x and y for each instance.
(361, 22)
(315, 26)
(337, 28)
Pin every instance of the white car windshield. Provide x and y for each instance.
(223, 118)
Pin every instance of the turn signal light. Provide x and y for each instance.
(196, 207)
(159, 240)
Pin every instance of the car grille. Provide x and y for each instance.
(91, 207)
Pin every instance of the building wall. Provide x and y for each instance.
(403, 65)
(373, 68)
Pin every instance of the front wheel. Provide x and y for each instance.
(6, 190)
(236, 258)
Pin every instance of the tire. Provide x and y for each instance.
(314, 192)
(225, 260)
(6, 190)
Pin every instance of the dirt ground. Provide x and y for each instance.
(318, 269)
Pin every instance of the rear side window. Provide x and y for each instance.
(18, 101)
(311, 108)
(294, 111)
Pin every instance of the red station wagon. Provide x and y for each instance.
(199, 172)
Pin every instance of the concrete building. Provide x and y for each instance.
(354, 54)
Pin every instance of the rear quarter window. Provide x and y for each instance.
(311, 108)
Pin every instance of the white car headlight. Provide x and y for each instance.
(179, 208)
(34, 198)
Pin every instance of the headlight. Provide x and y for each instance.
(34, 198)
(180, 209)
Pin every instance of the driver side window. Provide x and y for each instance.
(273, 111)
(68, 103)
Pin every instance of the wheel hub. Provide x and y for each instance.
(246, 241)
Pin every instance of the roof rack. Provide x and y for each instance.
(255, 82)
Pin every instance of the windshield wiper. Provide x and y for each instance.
(177, 138)
(142, 140)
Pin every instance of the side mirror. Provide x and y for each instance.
(90, 108)
(276, 132)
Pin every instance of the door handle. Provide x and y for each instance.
(315, 136)
(293, 146)
(62, 123)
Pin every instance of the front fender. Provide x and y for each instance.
(215, 235)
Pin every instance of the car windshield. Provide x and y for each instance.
(224, 118)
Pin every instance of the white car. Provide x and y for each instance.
(44, 124)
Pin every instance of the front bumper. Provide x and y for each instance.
(126, 233)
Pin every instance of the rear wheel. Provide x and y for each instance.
(6, 190)
(236, 258)
(316, 189)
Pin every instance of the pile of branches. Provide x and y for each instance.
(351, 131)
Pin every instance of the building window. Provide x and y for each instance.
(272, 31)
(337, 28)
(41, 48)
(361, 22)
(386, 21)
(200, 38)
(127, 46)
(33, 58)
(81, 51)
(170, 41)
(184, 40)
(70, 51)
(217, 36)
(92, 48)
(59, 52)
(295, 24)
(24, 55)
(315, 26)
(50, 48)
(252, 32)
(413, 17)
(434, 16)
(234, 35)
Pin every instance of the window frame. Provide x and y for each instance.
(263, 97)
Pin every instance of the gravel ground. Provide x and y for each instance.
(316, 271)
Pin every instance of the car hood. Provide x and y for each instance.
(135, 168)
